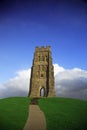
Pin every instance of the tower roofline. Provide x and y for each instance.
(42, 48)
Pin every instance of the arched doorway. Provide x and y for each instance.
(42, 92)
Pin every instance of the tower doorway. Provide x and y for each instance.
(42, 92)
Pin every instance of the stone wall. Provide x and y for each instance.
(42, 73)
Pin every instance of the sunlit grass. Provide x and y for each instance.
(64, 113)
(13, 113)
(60, 113)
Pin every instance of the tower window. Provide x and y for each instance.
(41, 75)
(39, 58)
(46, 58)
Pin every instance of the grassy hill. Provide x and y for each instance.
(60, 113)
(64, 113)
(13, 113)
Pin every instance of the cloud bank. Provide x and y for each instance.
(17, 86)
(68, 83)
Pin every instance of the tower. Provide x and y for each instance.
(42, 73)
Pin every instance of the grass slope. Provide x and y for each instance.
(13, 113)
(64, 113)
(60, 113)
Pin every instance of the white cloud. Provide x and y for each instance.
(17, 86)
(71, 83)
(68, 83)
(57, 69)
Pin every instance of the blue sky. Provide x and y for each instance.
(25, 25)
(62, 24)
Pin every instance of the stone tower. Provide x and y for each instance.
(42, 73)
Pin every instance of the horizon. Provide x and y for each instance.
(60, 24)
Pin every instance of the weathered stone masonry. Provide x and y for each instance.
(42, 73)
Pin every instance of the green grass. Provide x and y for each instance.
(64, 113)
(13, 113)
(60, 113)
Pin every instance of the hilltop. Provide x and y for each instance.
(60, 113)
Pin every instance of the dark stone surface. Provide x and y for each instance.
(34, 101)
